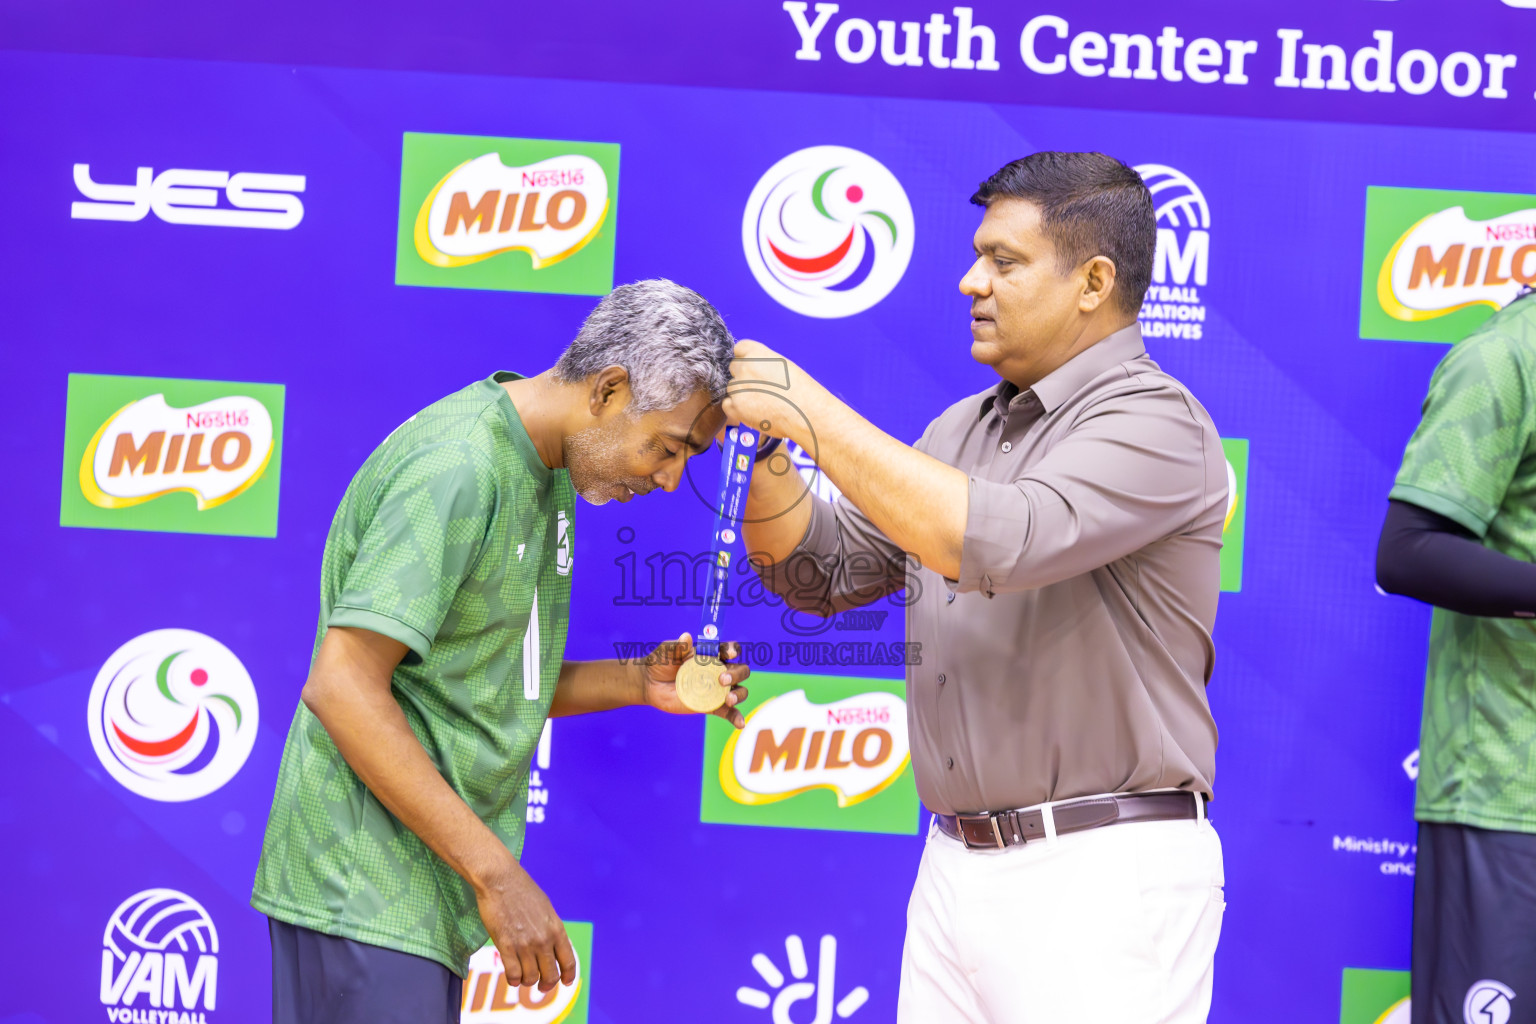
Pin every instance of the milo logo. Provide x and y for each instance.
(1438, 263)
(530, 215)
(816, 752)
(177, 455)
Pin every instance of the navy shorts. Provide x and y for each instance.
(325, 979)
(1474, 926)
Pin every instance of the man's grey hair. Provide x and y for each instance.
(669, 339)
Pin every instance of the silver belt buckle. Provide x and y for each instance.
(975, 819)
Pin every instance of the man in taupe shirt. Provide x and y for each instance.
(1060, 536)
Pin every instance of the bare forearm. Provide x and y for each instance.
(373, 736)
(917, 501)
(587, 686)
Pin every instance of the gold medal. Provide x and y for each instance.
(698, 684)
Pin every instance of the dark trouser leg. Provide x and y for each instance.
(324, 979)
(1474, 926)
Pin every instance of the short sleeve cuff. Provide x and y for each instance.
(980, 550)
(819, 541)
(1439, 504)
(362, 618)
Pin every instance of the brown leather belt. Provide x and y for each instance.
(1014, 828)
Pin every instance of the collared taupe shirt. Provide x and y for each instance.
(1071, 656)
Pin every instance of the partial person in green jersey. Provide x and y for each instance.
(1460, 534)
(396, 827)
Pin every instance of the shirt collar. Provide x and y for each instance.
(515, 429)
(1069, 378)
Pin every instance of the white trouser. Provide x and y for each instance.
(1116, 924)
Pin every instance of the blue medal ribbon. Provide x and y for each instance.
(735, 478)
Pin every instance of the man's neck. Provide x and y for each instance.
(1089, 333)
(540, 403)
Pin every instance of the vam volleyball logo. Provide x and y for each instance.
(1173, 307)
(828, 231)
(817, 752)
(159, 960)
(172, 715)
(488, 999)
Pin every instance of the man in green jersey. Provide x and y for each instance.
(1460, 534)
(392, 848)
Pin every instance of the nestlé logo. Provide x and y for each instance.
(854, 748)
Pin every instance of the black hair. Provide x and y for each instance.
(1090, 205)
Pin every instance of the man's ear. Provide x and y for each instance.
(1098, 283)
(609, 390)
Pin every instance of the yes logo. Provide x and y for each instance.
(159, 960)
(828, 231)
(488, 999)
(214, 443)
(524, 215)
(1235, 524)
(1438, 263)
(822, 990)
(172, 715)
(182, 196)
(817, 752)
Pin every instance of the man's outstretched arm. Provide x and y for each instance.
(1436, 560)
(348, 690)
(915, 501)
(587, 686)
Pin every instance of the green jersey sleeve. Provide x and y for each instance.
(1477, 422)
(422, 530)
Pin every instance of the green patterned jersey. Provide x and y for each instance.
(1473, 460)
(455, 539)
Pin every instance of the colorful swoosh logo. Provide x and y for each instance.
(847, 264)
(138, 745)
(828, 231)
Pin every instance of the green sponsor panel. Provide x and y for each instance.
(580, 933)
(181, 456)
(506, 233)
(1391, 213)
(825, 780)
(486, 1002)
(1374, 997)
(1236, 450)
